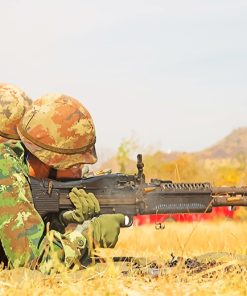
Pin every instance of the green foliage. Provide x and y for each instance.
(228, 176)
(183, 167)
(124, 153)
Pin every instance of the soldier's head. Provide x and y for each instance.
(13, 104)
(59, 131)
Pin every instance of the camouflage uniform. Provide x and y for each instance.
(13, 104)
(59, 131)
(21, 228)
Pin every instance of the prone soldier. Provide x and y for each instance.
(57, 137)
(13, 104)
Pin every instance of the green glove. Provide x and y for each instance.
(86, 207)
(105, 229)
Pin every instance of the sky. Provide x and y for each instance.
(170, 74)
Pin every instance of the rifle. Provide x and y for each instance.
(131, 195)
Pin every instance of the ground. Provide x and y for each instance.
(225, 274)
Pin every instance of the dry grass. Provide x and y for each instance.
(181, 239)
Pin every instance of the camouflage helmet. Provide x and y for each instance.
(13, 104)
(59, 131)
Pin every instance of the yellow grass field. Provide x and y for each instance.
(181, 239)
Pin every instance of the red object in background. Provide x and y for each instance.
(220, 212)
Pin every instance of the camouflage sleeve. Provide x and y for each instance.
(59, 252)
(21, 227)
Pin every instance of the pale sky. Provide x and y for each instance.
(171, 73)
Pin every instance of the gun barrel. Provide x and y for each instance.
(230, 190)
(229, 196)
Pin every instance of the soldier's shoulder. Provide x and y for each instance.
(12, 158)
(11, 147)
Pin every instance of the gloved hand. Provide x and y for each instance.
(86, 207)
(105, 229)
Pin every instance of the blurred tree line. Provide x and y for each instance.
(181, 167)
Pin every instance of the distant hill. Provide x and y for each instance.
(232, 146)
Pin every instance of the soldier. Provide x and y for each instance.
(13, 104)
(57, 134)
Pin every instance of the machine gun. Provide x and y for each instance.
(131, 195)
